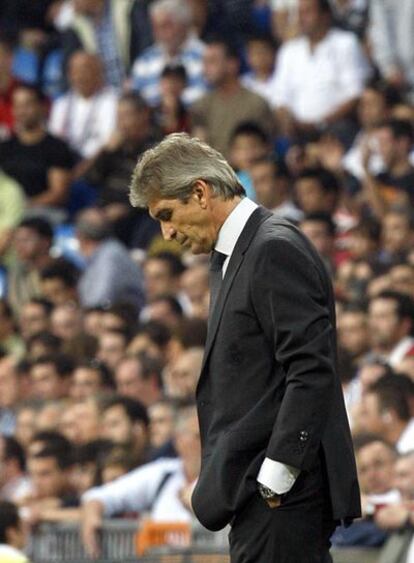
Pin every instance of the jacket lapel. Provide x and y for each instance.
(256, 218)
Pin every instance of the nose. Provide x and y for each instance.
(168, 231)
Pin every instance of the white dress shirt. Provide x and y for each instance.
(314, 83)
(405, 442)
(137, 492)
(273, 474)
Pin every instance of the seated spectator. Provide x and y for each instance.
(162, 273)
(272, 188)
(391, 326)
(10, 341)
(118, 462)
(81, 421)
(13, 481)
(50, 376)
(88, 460)
(152, 338)
(161, 488)
(38, 161)
(115, 31)
(320, 230)
(112, 347)
(181, 377)
(139, 377)
(189, 333)
(9, 395)
(386, 411)
(162, 417)
(12, 535)
(58, 282)
(375, 460)
(101, 283)
(317, 189)
(302, 102)
(34, 317)
(42, 344)
(164, 309)
(110, 171)
(125, 422)
(261, 58)
(84, 117)
(175, 43)
(398, 519)
(66, 320)
(217, 114)
(12, 207)
(353, 333)
(7, 86)
(25, 422)
(248, 143)
(90, 379)
(394, 184)
(171, 115)
(32, 243)
(195, 287)
(120, 316)
(397, 235)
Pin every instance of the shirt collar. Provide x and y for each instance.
(234, 225)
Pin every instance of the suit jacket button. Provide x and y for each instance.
(303, 436)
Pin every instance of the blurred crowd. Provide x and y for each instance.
(103, 323)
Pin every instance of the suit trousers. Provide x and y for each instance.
(297, 531)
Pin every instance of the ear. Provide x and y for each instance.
(201, 193)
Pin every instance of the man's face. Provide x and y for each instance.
(402, 279)
(265, 183)
(353, 332)
(116, 425)
(310, 194)
(33, 319)
(384, 324)
(66, 322)
(396, 232)
(27, 110)
(386, 145)
(46, 383)
(158, 279)
(86, 382)
(55, 291)
(215, 64)
(372, 420)
(9, 384)
(128, 378)
(245, 149)
(85, 74)
(168, 31)
(133, 123)
(25, 425)
(310, 16)
(81, 422)
(188, 223)
(318, 234)
(183, 375)
(28, 244)
(111, 349)
(371, 107)
(161, 424)
(404, 477)
(47, 478)
(375, 463)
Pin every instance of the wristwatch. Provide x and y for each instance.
(267, 493)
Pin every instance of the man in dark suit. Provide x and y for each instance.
(277, 457)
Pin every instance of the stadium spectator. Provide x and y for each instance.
(353, 333)
(9, 395)
(125, 422)
(272, 188)
(12, 207)
(397, 235)
(41, 344)
(32, 243)
(90, 379)
(7, 86)
(162, 273)
(303, 102)
(398, 518)
(386, 411)
(12, 535)
(160, 488)
(152, 338)
(164, 309)
(195, 287)
(112, 347)
(66, 321)
(110, 275)
(85, 115)
(116, 31)
(81, 421)
(50, 377)
(181, 377)
(216, 115)
(171, 114)
(391, 327)
(34, 317)
(58, 282)
(10, 340)
(320, 230)
(317, 189)
(38, 161)
(25, 422)
(174, 42)
(261, 59)
(139, 378)
(394, 185)
(161, 416)
(14, 483)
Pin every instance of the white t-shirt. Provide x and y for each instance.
(10, 554)
(85, 123)
(313, 84)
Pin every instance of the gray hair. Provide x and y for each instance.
(170, 170)
(179, 9)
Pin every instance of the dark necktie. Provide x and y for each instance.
(216, 276)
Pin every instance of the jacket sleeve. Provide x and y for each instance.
(293, 302)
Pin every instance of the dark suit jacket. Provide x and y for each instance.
(268, 386)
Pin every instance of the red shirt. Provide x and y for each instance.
(6, 112)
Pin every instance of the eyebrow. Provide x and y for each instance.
(163, 214)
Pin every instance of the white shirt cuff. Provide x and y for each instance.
(277, 476)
